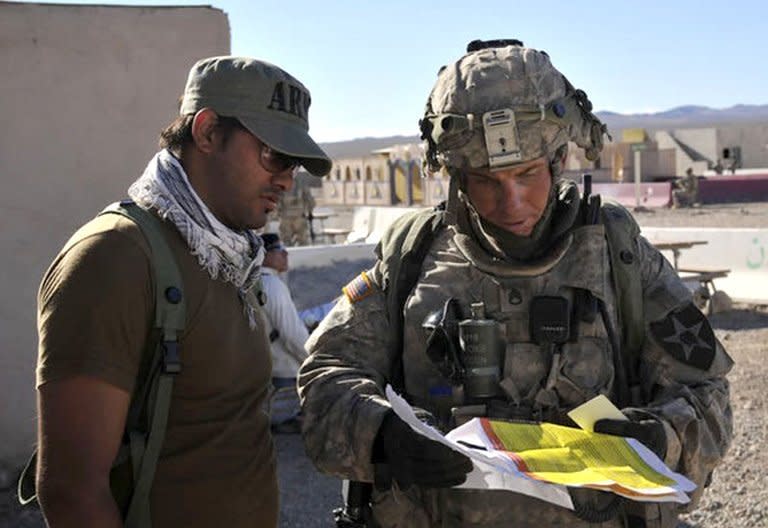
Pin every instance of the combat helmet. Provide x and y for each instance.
(503, 104)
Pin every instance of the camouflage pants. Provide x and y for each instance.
(457, 508)
(294, 230)
(681, 198)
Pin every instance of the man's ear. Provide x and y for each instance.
(204, 127)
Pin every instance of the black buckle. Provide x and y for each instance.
(171, 359)
(504, 410)
(442, 343)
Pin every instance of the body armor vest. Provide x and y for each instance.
(583, 367)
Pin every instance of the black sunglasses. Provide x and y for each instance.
(277, 162)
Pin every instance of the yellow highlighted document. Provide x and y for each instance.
(543, 460)
(564, 455)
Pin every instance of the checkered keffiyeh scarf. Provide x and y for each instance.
(225, 254)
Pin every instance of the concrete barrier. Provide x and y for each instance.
(320, 256)
(744, 251)
(730, 189)
(651, 194)
(370, 222)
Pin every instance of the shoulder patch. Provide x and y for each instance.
(359, 288)
(687, 336)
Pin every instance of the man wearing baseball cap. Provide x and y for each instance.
(241, 133)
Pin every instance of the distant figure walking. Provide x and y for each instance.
(686, 192)
(295, 214)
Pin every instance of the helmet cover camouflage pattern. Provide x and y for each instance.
(548, 110)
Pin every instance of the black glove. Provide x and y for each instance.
(406, 457)
(645, 429)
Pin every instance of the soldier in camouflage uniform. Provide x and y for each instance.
(294, 211)
(513, 234)
(686, 191)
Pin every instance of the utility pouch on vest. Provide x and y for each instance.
(550, 326)
(482, 355)
(549, 320)
(442, 343)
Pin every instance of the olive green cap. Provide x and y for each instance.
(269, 102)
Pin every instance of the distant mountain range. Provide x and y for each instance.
(354, 148)
(689, 116)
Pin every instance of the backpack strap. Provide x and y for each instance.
(152, 399)
(401, 252)
(148, 412)
(621, 231)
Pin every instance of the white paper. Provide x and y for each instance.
(600, 407)
(494, 469)
(491, 469)
(681, 482)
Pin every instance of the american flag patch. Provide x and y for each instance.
(359, 288)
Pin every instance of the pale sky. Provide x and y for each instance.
(370, 65)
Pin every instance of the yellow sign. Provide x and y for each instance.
(633, 135)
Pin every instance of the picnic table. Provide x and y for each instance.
(676, 246)
(704, 276)
(330, 233)
(326, 233)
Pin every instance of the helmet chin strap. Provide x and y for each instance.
(555, 219)
(507, 244)
(453, 203)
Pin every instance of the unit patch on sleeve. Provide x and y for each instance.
(686, 335)
(358, 288)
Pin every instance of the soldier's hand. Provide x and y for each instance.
(647, 430)
(406, 457)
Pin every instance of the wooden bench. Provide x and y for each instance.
(703, 275)
(330, 233)
(676, 246)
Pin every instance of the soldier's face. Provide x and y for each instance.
(513, 199)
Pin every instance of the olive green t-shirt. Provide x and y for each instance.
(95, 309)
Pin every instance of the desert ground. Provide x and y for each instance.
(738, 495)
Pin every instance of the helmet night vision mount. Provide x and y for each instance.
(525, 108)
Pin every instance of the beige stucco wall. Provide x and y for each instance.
(753, 140)
(83, 93)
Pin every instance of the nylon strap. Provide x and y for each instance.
(170, 316)
(621, 231)
(402, 251)
(139, 514)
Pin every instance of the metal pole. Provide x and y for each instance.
(637, 178)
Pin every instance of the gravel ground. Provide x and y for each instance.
(738, 496)
(724, 215)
